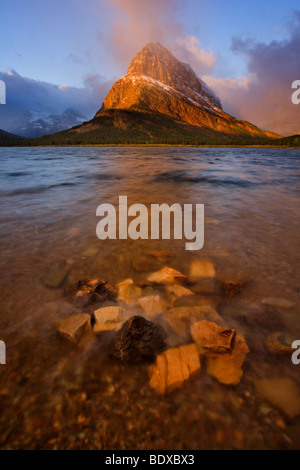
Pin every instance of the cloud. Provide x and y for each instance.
(264, 97)
(26, 98)
(136, 23)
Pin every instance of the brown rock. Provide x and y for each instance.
(200, 269)
(282, 393)
(173, 367)
(210, 338)
(74, 327)
(86, 292)
(176, 290)
(108, 319)
(231, 288)
(128, 292)
(167, 276)
(180, 319)
(196, 301)
(153, 304)
(55, 276)
(227, 367)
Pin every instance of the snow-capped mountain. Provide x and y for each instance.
(36, 127)
(157, 82)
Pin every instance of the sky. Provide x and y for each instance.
(67, 53)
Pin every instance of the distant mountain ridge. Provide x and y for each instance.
(37, 127)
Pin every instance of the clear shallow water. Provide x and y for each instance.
(48, 218)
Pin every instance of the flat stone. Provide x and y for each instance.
(200, 269)
(227, 367)
(180, 319)
(282, 393)
(55, 277)
(108, 319)
(90, 251)
(128, 292)
(196, 301)
(167, 276)
(74, 326)
(210, 338)
(153, 304)
(173, 367)
(176, 291)
(278, 302)
(138, 339)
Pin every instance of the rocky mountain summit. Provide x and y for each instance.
(157, 82)
(160, 101)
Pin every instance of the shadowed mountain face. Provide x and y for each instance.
(157, 82)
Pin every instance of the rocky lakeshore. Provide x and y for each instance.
(169, 332)
(140, 344)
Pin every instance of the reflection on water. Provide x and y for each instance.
(55, 396)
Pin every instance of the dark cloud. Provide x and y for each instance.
(27, 98)
(264, 97)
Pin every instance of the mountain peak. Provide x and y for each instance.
(157, 62)
(157, 83)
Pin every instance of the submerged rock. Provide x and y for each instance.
(231, 288)
(55, 276)
(86, 292)
(167, 276)
(180, 319)
(161, 256)
(74, 327)
(210, 338)
(153, 304)
(206, 286)
(128, 292)
(282, 393)
(176, 291)
(90, 251)
(138, 339)
(227, 367)
(173, 367)
(278, 302)
(108, 319)
(144, 263)
(200, 269)
(279, 343)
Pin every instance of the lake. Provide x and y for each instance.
(58, 396)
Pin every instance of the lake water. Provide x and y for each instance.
(54, 395)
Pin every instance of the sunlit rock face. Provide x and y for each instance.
(157, 82)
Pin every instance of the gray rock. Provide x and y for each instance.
(74, 327)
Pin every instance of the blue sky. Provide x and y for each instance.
(61, 41)
(87, 44)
